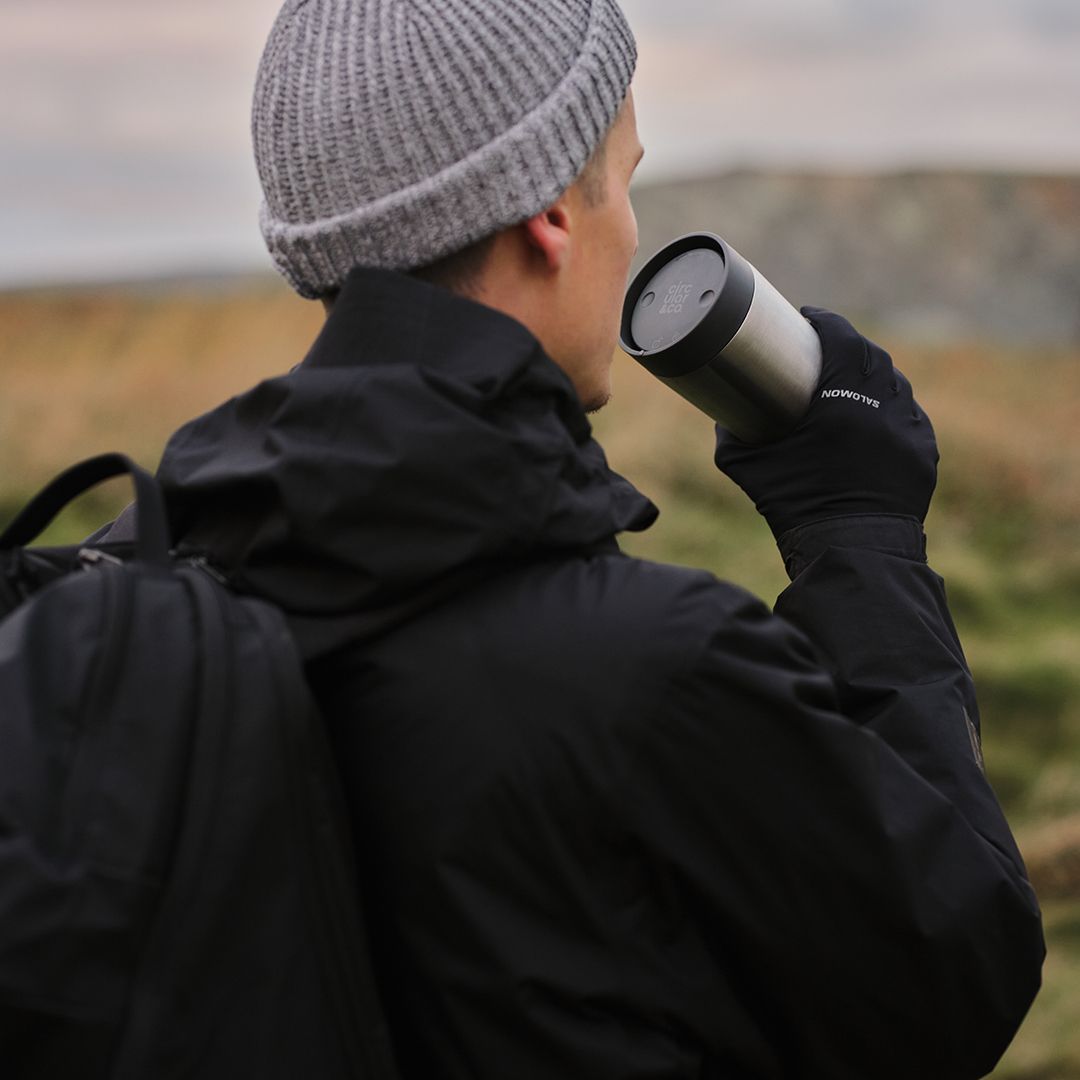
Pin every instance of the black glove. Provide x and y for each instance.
(864, 446)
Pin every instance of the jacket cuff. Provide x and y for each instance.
(891, 534)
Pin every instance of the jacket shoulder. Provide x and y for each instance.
(642, 612)
(618, 633)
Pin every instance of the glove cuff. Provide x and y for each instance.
(892, 534)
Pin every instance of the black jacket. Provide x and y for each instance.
(618, 821)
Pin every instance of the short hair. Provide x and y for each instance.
(460, 272)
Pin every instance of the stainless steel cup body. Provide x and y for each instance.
(705, 322)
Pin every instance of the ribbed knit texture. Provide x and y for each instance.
(391, 133)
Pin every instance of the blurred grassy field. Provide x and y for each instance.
(90, 370)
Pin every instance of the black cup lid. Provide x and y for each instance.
(677, 298)
(686, 304)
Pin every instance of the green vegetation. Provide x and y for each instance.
(94, 370)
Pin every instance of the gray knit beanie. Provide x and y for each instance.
(391, 133)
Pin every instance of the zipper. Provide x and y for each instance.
(201, 562)
(117, 602)
(91, 558)
(208, 729)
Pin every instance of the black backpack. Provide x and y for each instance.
(177, 891)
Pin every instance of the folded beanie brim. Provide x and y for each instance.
(514, 175)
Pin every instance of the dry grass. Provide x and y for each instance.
(1052, 854)
(1010, 414)
(107, 369)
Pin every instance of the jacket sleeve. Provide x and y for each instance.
(823, 811)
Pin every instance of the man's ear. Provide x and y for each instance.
(548, 234)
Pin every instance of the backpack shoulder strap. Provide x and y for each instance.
(152, 542)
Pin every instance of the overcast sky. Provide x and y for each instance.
(124, 137)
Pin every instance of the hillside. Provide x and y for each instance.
(926, 256)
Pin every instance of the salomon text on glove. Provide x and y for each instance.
(864, 447)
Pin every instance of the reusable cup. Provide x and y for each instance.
(704, 321)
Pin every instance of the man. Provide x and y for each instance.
(614, 819)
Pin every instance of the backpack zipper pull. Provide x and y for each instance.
(202, 563)
(91, 557)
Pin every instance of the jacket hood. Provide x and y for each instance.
(423, 436)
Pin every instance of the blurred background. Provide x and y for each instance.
(912, 164)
